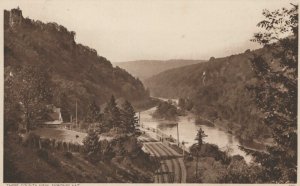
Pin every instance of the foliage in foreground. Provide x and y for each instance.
(276, 93)
(28, 91)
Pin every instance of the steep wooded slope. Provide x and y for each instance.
(218, 90)
(77, 71)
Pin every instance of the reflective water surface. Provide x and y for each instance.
(188, 130)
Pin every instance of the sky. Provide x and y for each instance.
(155, 30)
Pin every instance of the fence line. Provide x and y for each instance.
(39, 142)
(166, 138)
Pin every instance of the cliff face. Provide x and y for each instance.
(77, 70)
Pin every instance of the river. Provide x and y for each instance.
(188, 130)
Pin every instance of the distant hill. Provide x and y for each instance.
(78, 71)
(144, 69)
(185, 81)
(217, 89)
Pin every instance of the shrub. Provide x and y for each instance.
(53, 161)
(91, 142)
(30, 139)
(59, 145)
(45, 143)
(52, 143)
(68, 155)
(65, 145)
(43, 154)
(93, 157)
(91, 146)
(11, 173)
(238, 172)
(49, 158)
(117, 132)
(106, 150)
(237, 158)
(166, 110)
(79, 167)
(189, 158)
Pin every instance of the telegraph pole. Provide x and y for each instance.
(76, 114)
(71, 121)
(139, 118)
(177, 135)
(183, 148)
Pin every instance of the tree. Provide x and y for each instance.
(199, 137)
(107, 152)
(166, 110)
(276, 93)
(61, 100)
(181, 103)
(32, 89)
(112, 114)
(93, 113)
(92, 146)
(230, 126)
(12, 109)
(128, 117)
(189, 104)
(239, 172)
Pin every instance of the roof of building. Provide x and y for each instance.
(56, 122)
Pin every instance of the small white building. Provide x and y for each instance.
(54, 118)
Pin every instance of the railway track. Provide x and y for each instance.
(165, 162)
(172, 169)
(176, 167)
(161, 176)
(181, 163)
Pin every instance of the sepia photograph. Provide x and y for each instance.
(165, 91)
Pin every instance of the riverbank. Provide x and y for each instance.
(143, 105)
(187, 131)
(233, 129)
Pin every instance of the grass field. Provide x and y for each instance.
(61, 134)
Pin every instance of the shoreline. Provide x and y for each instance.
(256, 144)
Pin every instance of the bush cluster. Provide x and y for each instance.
(49, 158)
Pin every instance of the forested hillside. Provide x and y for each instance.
(218, 91)
(144, 69)
(76, 71)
